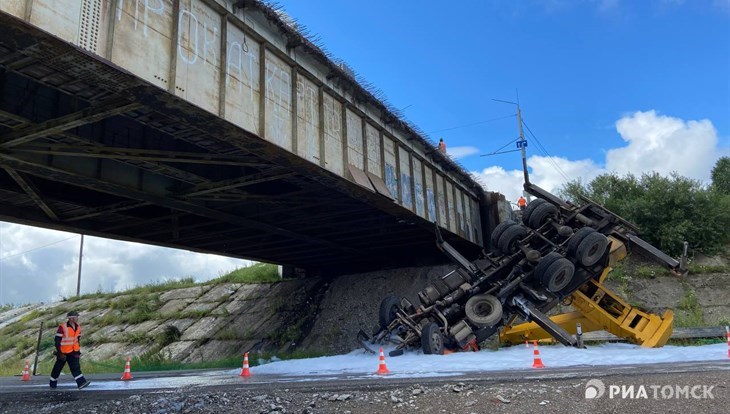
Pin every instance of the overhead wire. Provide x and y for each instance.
(36, 248)
(497, 151)
(549, 157)
(472, 124)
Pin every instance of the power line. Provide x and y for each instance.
(497, 151)
(475, 123)
(549, 157)
(36, 248)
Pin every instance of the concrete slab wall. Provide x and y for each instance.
(238, 64)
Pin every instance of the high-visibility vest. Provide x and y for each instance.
(521, 202)
(70, 338)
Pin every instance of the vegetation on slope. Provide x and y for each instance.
(668, 210)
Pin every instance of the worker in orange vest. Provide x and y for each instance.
(442, 146)
(68, 350)
(522, 203)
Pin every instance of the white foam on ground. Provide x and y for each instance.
(415, 364)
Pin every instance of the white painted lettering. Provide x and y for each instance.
(207, 44)
(156, 10)
(193, 27)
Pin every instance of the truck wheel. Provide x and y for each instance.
(388, 307)
(508, 240)
(591, 249)
(501, 227)
(432, 340)
(483, 310)
(544, 263)
(541, 214)
(578, 237)
(527, 212)
(558, 275)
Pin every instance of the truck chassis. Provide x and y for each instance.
(559, 251)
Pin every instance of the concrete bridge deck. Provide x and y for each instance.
(214, 126)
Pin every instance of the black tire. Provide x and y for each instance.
(483, 310)
(544, 263)
(558, 275)
(541, 214)
(591, 249)
(578, 237)
(388, 306)
(501, 227)
(508, 239)
(432, 340)
(527, 212)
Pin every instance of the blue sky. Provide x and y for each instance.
(579, 67)
(605, 85)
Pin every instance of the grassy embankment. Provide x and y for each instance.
(133, 306)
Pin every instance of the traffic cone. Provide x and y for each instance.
(382, 369)
(26, 373)
(537, 363)
(245, 372)
(127, 371)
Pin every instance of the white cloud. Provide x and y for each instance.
(664, 144)
(655, 143)
(546, 172)
(50, 273)
(461, 152)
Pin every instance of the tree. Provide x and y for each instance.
(721, 175)
(667, 210)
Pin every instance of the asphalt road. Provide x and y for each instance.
(697, 387)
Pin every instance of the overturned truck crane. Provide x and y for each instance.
(559, 252)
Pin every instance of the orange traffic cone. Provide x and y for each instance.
(26, 373)
(127, 371)
(537, 361)
(245, 372)
(382, 369)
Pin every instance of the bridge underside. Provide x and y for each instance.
(88, 147)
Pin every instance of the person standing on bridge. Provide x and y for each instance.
(442, 146)
(68, 350)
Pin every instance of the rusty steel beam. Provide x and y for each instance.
(32, 192)
(54, 126)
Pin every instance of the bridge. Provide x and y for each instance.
(216, 126)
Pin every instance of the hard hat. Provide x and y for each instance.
(72, 313)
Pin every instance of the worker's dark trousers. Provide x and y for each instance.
(74, 364)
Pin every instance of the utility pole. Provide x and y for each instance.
(81, 254)
(522, 144)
